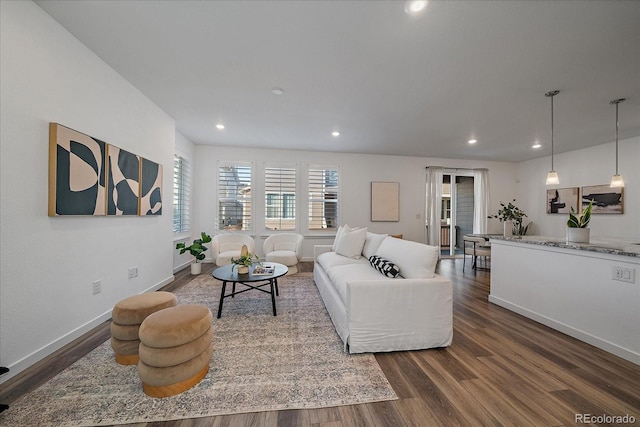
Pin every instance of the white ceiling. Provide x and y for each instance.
(391, 83)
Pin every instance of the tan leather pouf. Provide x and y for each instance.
(128, 315)
(175, 349)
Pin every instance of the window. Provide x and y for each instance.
(234, 197)
(181, 194)
(323, 197)
(280, 198)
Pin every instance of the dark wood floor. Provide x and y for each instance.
(502, 369)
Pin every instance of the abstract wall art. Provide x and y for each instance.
(90, 177)
(385, 201)
(77, 173)
(123, 182)
(606, 200)
(150, 188)
(561, 200)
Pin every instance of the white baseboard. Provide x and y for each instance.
(569, 330)
(41, 353)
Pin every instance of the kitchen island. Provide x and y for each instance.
(588, 291)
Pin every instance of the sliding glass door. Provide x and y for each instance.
(456, 211)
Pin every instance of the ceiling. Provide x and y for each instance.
(391, 83)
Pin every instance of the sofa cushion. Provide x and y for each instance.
(351, 242)
(414, 259)
(372, 243)
(284, 246)
(287, 258)
(341, 274)
(384, 266)
(328, 260)
(224, 258)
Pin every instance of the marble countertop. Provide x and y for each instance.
(605, 246)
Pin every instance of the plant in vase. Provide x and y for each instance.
(196, 249)
(577, 231)
(513, 218)
(245, 260)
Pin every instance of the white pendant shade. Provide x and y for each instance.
(552, 178)
(617, 181)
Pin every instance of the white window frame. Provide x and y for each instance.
(184, 197)
(307, 207)
(298, 198)
(251, 198)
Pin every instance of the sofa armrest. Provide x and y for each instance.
(320, 249)
(399, 309)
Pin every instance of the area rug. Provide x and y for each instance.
(261, 362)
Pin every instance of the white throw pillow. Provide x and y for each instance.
(371, 244)
(351, 243)
(338, 234)
(414, 259)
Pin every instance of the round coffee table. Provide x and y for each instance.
(228, 274)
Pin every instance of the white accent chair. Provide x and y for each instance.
(227, 246)
(284, 248)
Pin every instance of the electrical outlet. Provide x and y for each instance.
(623, 274)
(97, 287)
(133, 272)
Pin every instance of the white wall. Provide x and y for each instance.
(358, 170)
(589, 166)
(48, 264)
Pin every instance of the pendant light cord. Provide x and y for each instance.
(616, 102)
(616, 138)
(551, 95)
(552, 133)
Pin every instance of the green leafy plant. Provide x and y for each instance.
(197, 248)
(244, 260)
(581, 221)
(519, 229)
(511, 212)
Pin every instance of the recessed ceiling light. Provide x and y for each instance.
(335, 133)
(536, 145)
(220, 126)
(277, 91)
(412, 7)
(473, 141)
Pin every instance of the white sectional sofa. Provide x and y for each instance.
(375, 313)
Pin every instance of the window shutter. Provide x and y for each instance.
(280, 198)
(181, 194)
(234, 198)
(323, 198)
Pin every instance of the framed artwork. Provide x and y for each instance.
(606, 200)
(77, 173)
(150, 188)
(561, 200)
(123, 182)
(385, 201)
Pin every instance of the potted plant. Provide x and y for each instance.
(577, 231)
(196, 249)
(513, 218)
(244, 261)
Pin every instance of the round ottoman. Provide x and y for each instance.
(127, 316)
(175, 349)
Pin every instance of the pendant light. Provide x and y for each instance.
(552, 176)
(616, 180)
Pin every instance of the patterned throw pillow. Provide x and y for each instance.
(385, 267)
